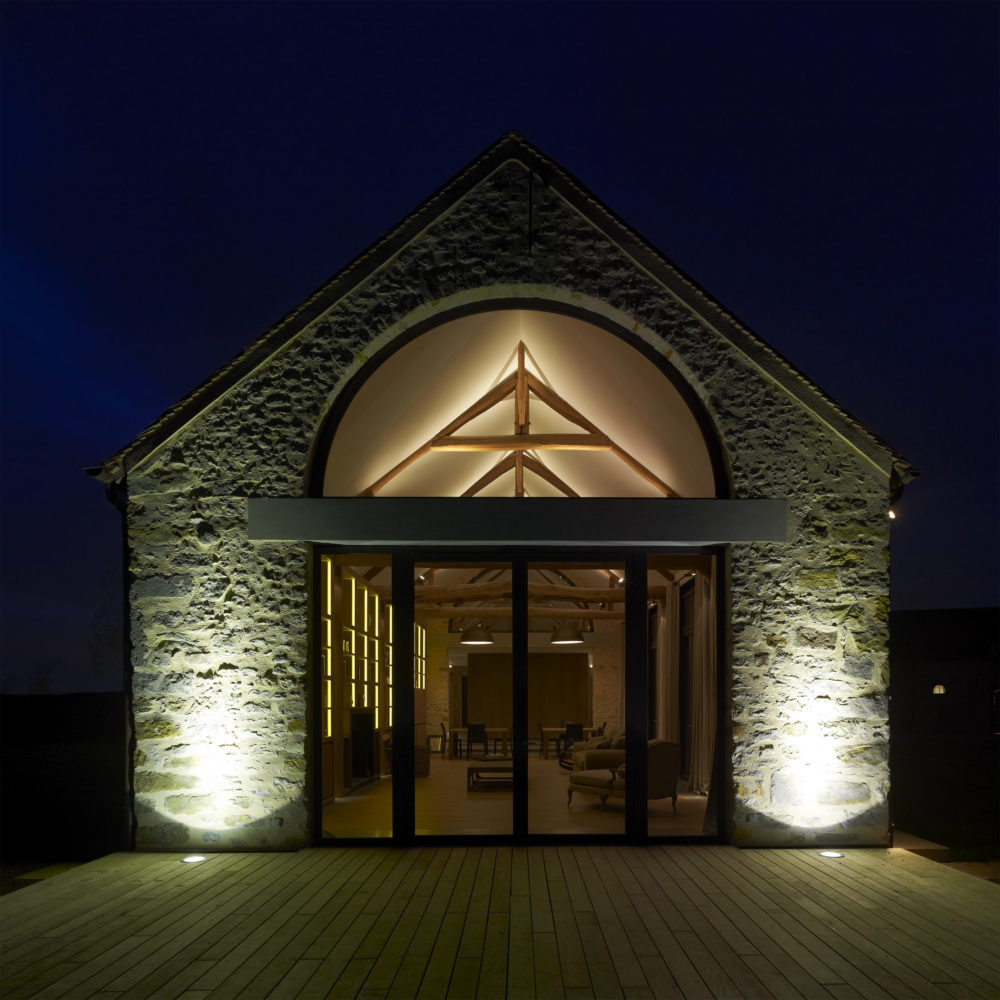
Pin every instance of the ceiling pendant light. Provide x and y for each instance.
(477, 635)
(566, 635)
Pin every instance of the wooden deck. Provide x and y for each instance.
(575, 922)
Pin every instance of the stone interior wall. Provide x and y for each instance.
(606, 677)
(220, 624)
(437, 678)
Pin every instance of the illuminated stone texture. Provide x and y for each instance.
(219, 624)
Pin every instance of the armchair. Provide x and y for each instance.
(607, 780)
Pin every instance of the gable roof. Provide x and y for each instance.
(511, 146)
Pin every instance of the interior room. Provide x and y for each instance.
(462, 677)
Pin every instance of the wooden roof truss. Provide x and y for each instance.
(521, 450)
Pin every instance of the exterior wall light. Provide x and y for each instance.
(892, 514)
(938, 689)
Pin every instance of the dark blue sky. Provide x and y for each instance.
(178, 176)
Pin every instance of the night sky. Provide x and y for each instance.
(178, 176)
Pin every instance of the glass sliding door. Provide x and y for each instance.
(550, 696)
(576, 697)
(464, 711)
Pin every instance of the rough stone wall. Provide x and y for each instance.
(219, 624)
(219, 666)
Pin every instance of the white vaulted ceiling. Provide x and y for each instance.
(430, 381)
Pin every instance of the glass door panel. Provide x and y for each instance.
(356, 695)
(576, 697)
(682, 701)
(463, 712)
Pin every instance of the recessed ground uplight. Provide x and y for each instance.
(830, 854)
(192, 858)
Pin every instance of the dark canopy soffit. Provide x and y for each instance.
(510, 521)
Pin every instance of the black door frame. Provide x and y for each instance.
(636, 687)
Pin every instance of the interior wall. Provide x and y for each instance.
(558, 689)
(491, 688)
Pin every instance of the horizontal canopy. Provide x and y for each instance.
(488, 521)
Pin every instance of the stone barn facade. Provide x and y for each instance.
(510, 414)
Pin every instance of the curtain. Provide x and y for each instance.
(703, 686)
(667, 656)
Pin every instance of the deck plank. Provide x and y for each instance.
(572, 963)
(410, 974)
(437, 975)
(600, 965)
(538, 892)
(548, 975)
(521, 961)
(492, 983)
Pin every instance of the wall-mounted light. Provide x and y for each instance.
(477, 635)
(565, 635)
(938, 689)
(892, 514)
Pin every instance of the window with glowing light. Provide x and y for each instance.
(355, 657)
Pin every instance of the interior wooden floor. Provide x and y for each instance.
(527, 923)
(445, 806)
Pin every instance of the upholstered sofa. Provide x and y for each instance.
(606, 778)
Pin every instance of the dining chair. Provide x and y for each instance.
(573, 734)
(476, 733)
